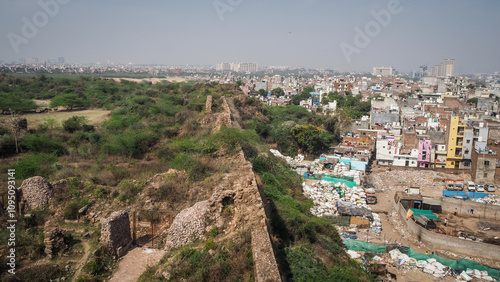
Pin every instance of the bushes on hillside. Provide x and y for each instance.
(43, 143)
(73, 124)
(35, 165)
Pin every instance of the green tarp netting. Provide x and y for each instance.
(427, 213)
(357, 245)
(461, 264)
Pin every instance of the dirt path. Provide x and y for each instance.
(79, 266)
(135, 262)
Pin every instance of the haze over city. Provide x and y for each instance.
(298, 33)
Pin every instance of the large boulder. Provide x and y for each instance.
(35, 192)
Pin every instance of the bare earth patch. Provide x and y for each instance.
(92, 116)
(135, 262)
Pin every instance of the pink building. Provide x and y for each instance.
(424, 153)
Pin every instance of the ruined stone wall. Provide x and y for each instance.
(188, 225)
(449, 243)
(35, 192)
(208, 104)
(115, 232)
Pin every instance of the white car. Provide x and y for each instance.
(480, 188)
(471, 186)
(490, 188)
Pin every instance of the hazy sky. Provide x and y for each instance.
(297, 33)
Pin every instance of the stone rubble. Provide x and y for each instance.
(188, 226)
(53, 239)
(35, 192)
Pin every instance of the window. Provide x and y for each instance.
(468, 141)
(486, 163)
(485, 174)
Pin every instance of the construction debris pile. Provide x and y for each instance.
(293, 162)
(328, 196)
(430, 266)
(492, 199)
(316, 167)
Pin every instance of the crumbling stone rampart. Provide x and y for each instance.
(208, 104)
(188, 226)
(35, 192)
(115, 232)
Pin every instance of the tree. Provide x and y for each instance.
(309, 138)
(278, 91)
(262, 92)
(15, 104)
(17, 124)
(67, 100)
(473, 101)
(304, 95)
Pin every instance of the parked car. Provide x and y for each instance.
(471, 186)
(490, 188)
(480, 188)
(459, 185)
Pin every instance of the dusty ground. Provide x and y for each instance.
(387, 183)
(135, 262)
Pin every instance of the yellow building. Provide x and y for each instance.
(455, 136)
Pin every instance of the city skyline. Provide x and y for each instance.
(300, 33)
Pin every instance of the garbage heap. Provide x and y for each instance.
(338, 199)
(291, 161)
(492, 199)
(430, 266)
(327, 196)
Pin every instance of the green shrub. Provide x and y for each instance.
(42, 143)
(35, 165)
(71, 210)
(214, 231)
(210, 245)
(73, 124)
(130, 144)
(7, 145)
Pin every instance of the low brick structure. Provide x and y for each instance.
(115, 232)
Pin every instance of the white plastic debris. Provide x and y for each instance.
(353, 254)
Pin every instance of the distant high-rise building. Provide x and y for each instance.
(61, 60)
(223, 67)
(237, 67)
(445, 68)
(32, 61)
(52, 61)
(383, 71)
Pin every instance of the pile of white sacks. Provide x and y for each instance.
(492, 199)
(430, 266)
(325, 197)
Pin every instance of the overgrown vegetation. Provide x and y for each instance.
(156, 127)
(229, 260)
(300, 233)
